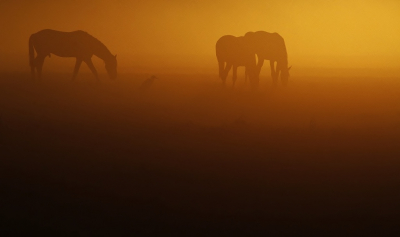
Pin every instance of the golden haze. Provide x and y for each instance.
(177, 36)
(158, 156)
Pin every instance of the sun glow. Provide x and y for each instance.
(181, 34)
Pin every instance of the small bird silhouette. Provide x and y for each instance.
(147, 83)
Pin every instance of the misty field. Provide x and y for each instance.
(186, 156)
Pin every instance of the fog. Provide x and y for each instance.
(181, 35)
(166, 149)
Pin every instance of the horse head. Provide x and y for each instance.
(111, 66)
(285, 75)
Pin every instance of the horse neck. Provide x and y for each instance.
(282, 64)
(283, 60)
(101, 51)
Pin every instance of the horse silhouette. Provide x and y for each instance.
(269, 46)
(78, 44)
(231, 52)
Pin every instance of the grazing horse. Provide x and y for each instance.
(78, 44)
(231, 52)
(269, 46)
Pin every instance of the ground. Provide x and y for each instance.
(186, 156)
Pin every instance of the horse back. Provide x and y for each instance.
(233, 50)
(271, 46)
(64, 44)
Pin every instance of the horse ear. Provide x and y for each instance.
(289, 68)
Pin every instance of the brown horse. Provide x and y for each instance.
(231, 52)
(78, 44)
(269, 46)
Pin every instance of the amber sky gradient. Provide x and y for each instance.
(181, 34)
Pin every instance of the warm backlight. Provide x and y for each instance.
(181, 35)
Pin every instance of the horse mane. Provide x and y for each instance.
(100, 49)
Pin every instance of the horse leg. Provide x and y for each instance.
(259, 66)
(91, 67)
(274, 73)
(77, 66)
(226, 71)
(39, 60)
(234, 76)
(221, 65)
(33, 72)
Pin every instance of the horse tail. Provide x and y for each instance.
(219, 58)
(31, 52)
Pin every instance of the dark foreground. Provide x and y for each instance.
(186, 157)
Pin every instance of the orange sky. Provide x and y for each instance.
(182, 33)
